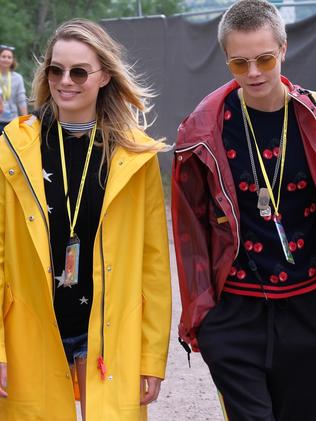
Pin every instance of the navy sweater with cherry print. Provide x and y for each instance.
(297, 209)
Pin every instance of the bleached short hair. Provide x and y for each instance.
(251, 15)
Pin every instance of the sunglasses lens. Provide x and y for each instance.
(78, 75)
(266, 62)
(54, 73)
(238, 66)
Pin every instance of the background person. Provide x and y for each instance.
(84, 265)
(244, 219)
(12, 87)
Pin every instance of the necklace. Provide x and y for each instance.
(77, 127)
(263, 201)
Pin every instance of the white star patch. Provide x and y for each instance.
(49, 209)
(47, 176)
(83, 300)
(61, 280)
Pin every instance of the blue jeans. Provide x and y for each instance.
(75, 347)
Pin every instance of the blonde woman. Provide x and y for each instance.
(84, 281)
(12, 91)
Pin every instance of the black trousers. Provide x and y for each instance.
(262, 356)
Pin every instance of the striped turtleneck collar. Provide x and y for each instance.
(77, 127)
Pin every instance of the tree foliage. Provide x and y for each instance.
(27, 24)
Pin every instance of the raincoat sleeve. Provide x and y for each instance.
(191, 208)
(2, 346)
(156, 286)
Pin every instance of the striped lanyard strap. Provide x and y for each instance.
(6, 88)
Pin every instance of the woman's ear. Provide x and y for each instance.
(105, 79)
(283, 52)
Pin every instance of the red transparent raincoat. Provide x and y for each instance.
(205, 211)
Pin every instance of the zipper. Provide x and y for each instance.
(101, 364)
(221, 184)
(38, 205)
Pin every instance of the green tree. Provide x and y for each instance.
(27, 24)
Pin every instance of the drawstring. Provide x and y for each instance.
(187, 348)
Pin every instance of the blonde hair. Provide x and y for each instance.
(121, 104)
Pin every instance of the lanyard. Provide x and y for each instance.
(72, 222)
(6, 90)
(284, 141)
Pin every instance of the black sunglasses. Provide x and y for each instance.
(77, 74)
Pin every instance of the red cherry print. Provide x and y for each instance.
(252, 188)
(283, 276)
(292, 245)
(243, 185)
(311, 271)
(231, 154)
(267, 153)
(258, 247)
(277, 217)
(201, 210)
(300, 243)
(276, 151)
(227, 115)
(199, 267)
(184, 177)
(274, 279)
(248, 245)
(233, 271)
(291, 187)
(307, 212)
(185, 237)
(241, 274)
(302, 184)
(313, 207)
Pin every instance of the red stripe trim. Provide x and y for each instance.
(270, 288)
(269, 294)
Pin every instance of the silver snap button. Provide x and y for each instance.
(180, 158)
(109, 268)
(108, 324)
(121, 162)
(11, 171)
(110, 377)
(31, 218)
(49, 270)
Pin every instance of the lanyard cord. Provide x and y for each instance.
(72, 222)
(283, 151)
(252, 161)
(6, 89)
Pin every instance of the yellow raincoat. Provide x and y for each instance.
(130, 316)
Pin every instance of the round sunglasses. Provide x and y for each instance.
(77, 74)
(264, 63)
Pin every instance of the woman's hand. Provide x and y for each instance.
(3, 380)
(149, 389)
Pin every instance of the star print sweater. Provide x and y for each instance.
(297, 205)
(72, 304)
